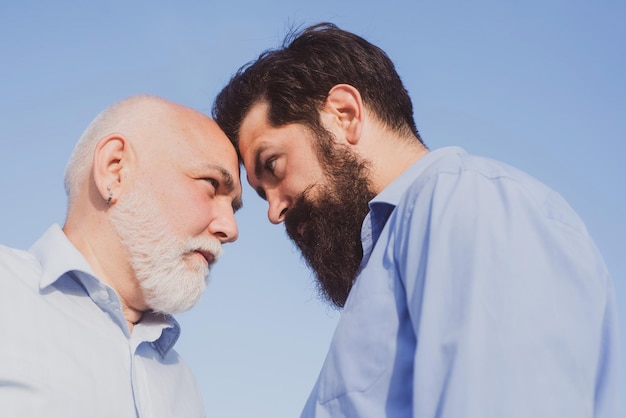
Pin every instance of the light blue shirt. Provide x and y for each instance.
(481, 295)
(66, 350)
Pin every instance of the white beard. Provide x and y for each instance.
(172, 277)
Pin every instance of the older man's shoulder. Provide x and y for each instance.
(17, 264)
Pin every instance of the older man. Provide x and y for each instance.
(85, 313)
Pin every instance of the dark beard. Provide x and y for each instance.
(327, 229)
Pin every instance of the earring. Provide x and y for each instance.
(110, 196)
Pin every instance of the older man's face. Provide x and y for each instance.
(179, 212)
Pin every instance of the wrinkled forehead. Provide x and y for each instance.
(208, 143)
(187, 136)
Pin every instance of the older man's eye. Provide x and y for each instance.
(213, 182)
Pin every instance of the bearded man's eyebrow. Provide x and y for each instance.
(258, 165)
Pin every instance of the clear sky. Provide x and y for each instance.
(538, 84)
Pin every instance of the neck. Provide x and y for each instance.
(133, 317)
(390, 159)
(103, 254)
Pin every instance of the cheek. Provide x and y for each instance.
(308, 183)
(189, 211)
(306, 173)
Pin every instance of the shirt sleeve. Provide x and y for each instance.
(508, 300)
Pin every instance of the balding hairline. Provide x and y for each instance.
(125, 117)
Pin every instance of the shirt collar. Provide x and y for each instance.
(58, 256)
(386, 201)
(395, 190)
(162, 331)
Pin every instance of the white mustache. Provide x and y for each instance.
(205, 245)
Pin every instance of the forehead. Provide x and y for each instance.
(198, 138)
(257, 134)
(253, 125)
(191, 143)
(211, 155)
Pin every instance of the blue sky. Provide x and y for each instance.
(540, 85)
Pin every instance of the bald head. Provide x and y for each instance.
(135, 118)
(152, 188)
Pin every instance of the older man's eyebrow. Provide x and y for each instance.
(226, 178)
(228, 183)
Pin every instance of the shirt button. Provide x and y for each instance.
(101, 295)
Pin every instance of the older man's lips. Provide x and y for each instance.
(208, 256)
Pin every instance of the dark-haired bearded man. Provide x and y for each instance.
(469, 289)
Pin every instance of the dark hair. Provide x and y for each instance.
(295, 81)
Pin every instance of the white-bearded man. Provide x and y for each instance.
(86, 313)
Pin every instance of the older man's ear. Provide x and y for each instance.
(112, 159)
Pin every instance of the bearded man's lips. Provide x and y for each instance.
(295, 224)
(301, 228)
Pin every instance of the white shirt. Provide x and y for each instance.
(66, 350)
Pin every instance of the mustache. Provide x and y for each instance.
(301, 213)
(306, 206)
(211, 248)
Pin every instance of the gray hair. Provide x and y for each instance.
(115, 118)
